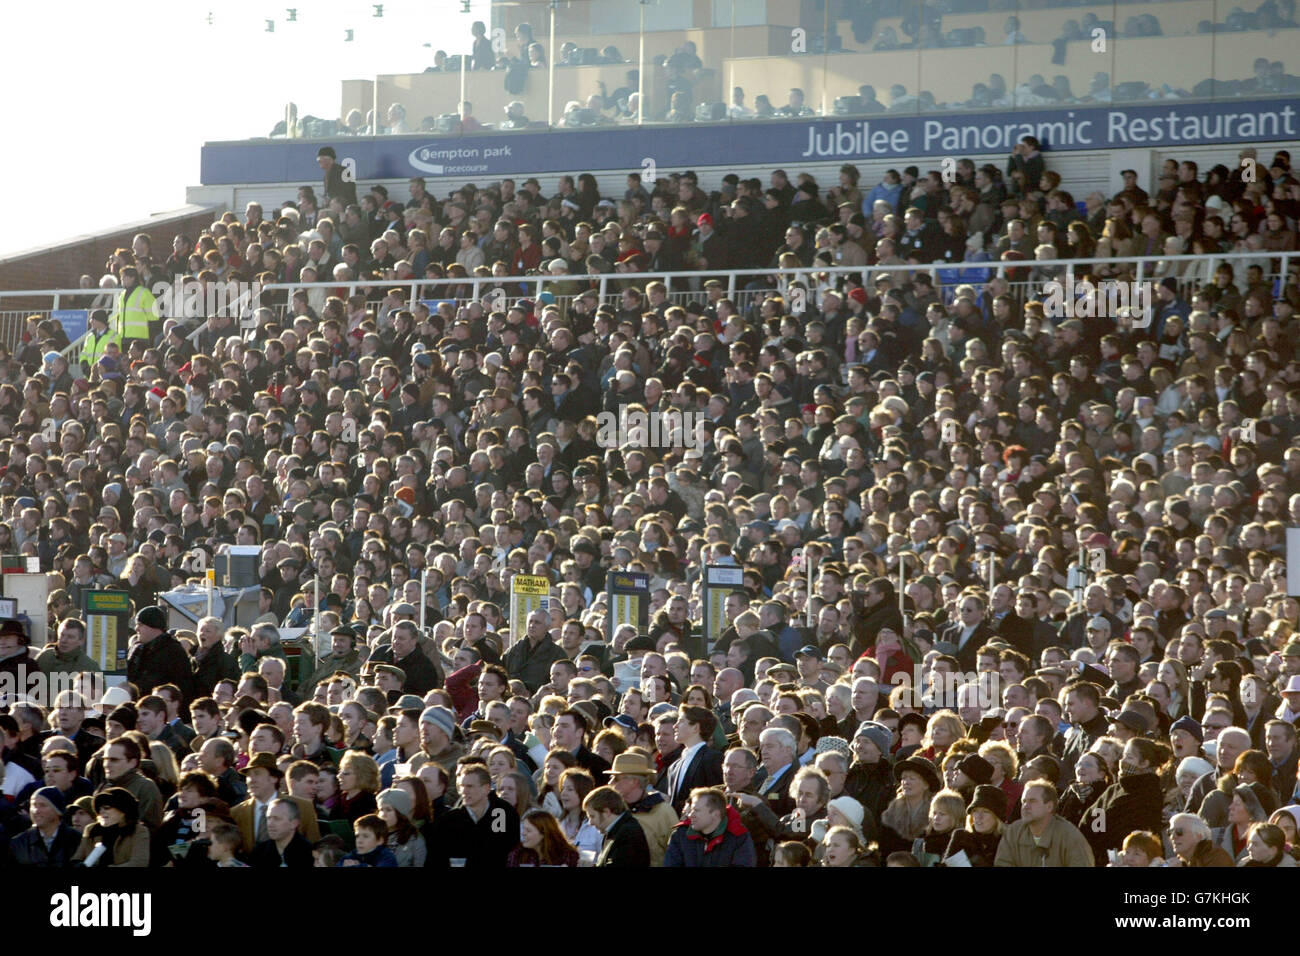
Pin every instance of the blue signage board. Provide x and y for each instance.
(485, 156)
(74, 321)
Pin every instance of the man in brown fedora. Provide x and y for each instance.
(630, 775)
(264, 777)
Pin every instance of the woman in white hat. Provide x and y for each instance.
(843, 811)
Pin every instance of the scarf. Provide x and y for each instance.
(908, 824)
(109, 837)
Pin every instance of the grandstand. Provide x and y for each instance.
(986, 315)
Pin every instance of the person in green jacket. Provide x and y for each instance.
(1040, 837)
(68, 655)
(343, 656)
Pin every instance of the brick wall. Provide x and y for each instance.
(63, 265)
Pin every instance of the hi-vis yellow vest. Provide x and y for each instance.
(95, 349)
(134, 314)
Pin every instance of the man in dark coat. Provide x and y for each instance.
(212, 662)
(968, 633)
(713, 835)
(337, 185)
(881, 612)
(1087, 724)
(156, 656)
(284, 846)
(569, 733)
(530, 660)
(422, 675)
(1023, 630)
(48, 810)
(481, 831)
(625, 843)
(699, 765)
(871, 781)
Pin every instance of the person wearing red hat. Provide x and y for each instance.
(715, 252)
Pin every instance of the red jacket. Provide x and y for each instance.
(462, 685)
(896, 663)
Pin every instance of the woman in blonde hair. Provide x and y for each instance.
(358, 783)
(1173, 674)
(164, 761)
(845, 848)
(979, 839)
(137, 580)
(1005, 765)
(1111, 750)
(943, 729)
(947, 811)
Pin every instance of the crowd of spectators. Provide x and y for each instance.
(1092, 659)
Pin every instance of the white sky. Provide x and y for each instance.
(90, 140)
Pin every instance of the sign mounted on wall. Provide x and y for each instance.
(1171, 123)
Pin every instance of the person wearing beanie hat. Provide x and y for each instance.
(438, 744)
(1191, 769)
(157, 657)
(50, 841)
(978, 840)
(396, 800)
(870, 780)
(1186, 737)
(117, 837)
(971, 772)
(125, 717)
(843, 811)
(877, 733)
(404, 840)
(440, 717)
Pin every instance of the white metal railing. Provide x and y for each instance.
(682, 284)
(742, 285)
(12, 320)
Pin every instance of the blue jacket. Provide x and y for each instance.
(1177, 307)
(379, 856)
(889, 194)
(732, 847)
